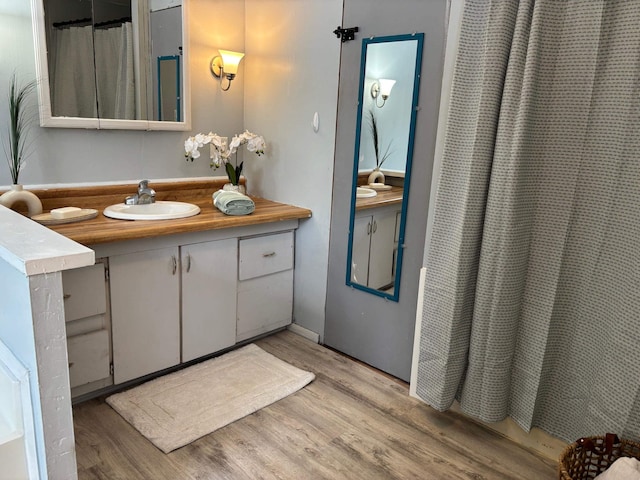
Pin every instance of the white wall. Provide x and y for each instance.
(292, 66)
(290, 71)
(75, 155)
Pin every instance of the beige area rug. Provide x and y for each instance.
(176, 409)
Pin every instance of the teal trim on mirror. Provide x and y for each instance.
(414, 89)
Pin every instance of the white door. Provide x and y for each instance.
(145, 314)
(209, 276)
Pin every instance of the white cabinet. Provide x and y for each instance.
(179, 298)
(87, 328)
(374, 248)
(265, 286)
(145, 312)
(209, 272)
(172, 305)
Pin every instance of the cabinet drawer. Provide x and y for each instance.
(265, 255)
(84, 292)
(88, 357)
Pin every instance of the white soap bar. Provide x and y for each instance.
(65, 212)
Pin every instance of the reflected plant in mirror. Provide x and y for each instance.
(111, 63)
(382, 162)
(381, 153)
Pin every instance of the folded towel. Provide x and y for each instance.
(624, 468)
(233, 203)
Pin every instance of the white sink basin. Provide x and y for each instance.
(364, 192)
(160, 210)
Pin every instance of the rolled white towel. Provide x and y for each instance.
(624, 468)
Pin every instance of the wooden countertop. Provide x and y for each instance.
(382, 199)
(103, 230)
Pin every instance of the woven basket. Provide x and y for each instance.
(589, 457)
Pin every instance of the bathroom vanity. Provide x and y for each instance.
(167, 292)
(376, 229)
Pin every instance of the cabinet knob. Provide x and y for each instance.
(66, 296)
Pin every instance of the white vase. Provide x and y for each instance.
(234, 188)
(376, 176)
(17, 195)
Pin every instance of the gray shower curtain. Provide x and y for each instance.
(532, 291)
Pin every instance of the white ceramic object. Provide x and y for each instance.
(376, 177)
(379, 186)
(364, 192)
(160, 210)
(17, 195)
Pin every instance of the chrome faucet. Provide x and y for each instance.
(144, 196)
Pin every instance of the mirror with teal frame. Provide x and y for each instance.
(385, 129)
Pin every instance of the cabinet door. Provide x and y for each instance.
(88, 357)
(381, 258)
(209, 273)
(84, 292)
(145, 312)
(360, 251)
(264, 304)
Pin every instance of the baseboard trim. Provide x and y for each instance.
(537, 440)
(304, 332)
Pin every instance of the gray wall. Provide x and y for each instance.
(375, 330)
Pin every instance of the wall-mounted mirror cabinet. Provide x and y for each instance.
(388, 98)
(117, 64)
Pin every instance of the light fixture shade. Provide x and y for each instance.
(230, 61)
(386, 85)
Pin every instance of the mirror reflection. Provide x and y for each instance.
(389, 74)
(115, 59)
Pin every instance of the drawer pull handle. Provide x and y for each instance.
(188, 262)
(70, 364)
(66, 296)
(175, 265)
(270, 254)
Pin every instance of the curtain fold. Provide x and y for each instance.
(532, 291)
(73, 83)
(115, 78)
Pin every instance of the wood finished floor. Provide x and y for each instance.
(351, 422)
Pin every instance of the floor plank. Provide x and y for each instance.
(351, 422)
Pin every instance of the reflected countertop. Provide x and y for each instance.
(382, 199)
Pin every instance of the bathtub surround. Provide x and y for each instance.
(531, 297)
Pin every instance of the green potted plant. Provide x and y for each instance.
(19, 124)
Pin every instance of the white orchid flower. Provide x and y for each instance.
(256, 144)
(220, 150)
(202, 139)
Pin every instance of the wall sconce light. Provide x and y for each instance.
(382, 88)
(226, 64)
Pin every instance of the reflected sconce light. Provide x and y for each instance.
(225, 65)
(382, 88)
